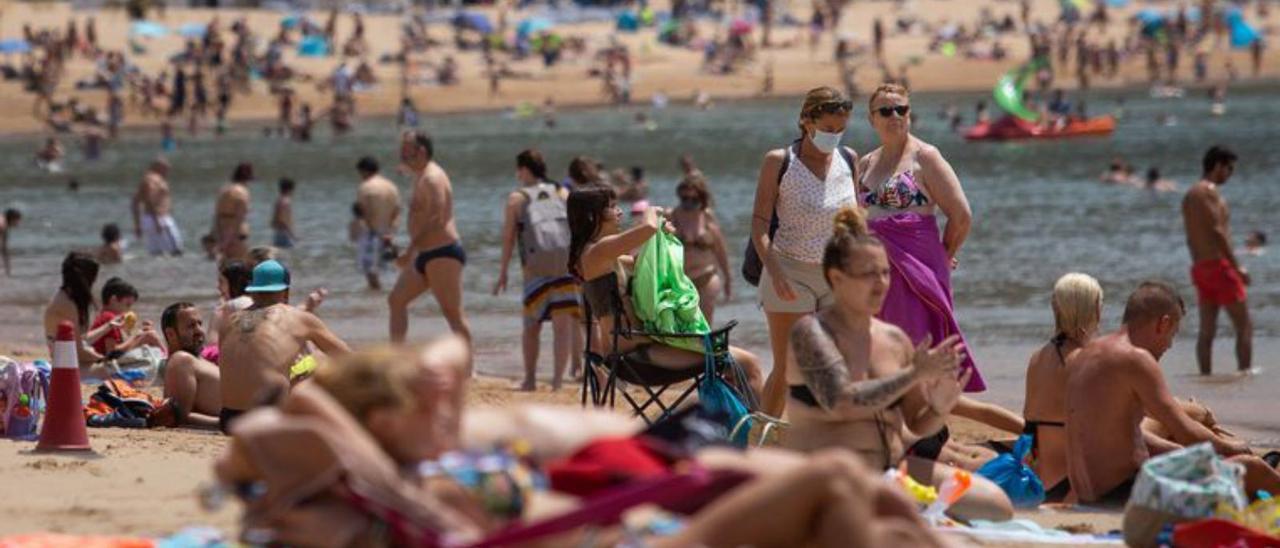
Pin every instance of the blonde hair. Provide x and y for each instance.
(1077, 304)
(819, 98)
(888, 89)
(372, 379)
(850, 233)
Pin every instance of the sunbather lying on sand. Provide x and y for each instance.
(406, 408)
(192, 383)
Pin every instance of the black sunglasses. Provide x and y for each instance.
(887, 112)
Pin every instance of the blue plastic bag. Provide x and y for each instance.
(721, 401)
(1017, 480)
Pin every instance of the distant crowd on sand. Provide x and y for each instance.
(854, 276)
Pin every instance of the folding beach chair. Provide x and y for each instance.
(602, 373)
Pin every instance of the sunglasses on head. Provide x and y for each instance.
(887, 112)
(832, 107)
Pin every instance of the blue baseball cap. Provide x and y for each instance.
(269, 277)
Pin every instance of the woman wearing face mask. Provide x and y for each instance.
(902, 184)
(802, 187)
(706, 261)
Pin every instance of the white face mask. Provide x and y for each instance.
(826, 142)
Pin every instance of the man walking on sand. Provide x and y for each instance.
(434, 259)
(379, 200)
(151, 206)
(1219, 278)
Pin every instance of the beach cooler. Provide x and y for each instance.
(1180, 486)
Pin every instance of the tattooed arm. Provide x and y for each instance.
(819, 361)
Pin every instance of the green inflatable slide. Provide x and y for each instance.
(1008, 90)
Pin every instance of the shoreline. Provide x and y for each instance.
(254, 123)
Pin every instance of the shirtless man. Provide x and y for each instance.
(261, 343)
(1219, 278)
(1113, 382)
(230, 213)
(379, 201)
(283, 235)
(434, 258)
(151, 206)
(10, 221)
(192, 383)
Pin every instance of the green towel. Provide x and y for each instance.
(664, 298)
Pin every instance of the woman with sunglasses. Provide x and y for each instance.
(800, 187)
(903, 184)
(706, 260)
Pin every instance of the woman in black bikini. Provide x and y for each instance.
(858, 383)
(1077, 310)
(600, 256)
(705, 260)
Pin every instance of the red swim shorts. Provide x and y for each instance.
(1217, 282)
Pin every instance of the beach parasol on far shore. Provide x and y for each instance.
(473, 20)
(532, 25)
(148, 29)
(739, 27)
(193, 30)
(14, 45)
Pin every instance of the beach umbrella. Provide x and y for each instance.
(473, 20)
(627, 21)
(313, 46)
(290, 21)
(150, 29)
(1242, 34)
(532, 25)
(740, 27)
(1117, 3)
(193, 30)
(14, 45)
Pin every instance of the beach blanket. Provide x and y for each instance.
(1026, 531)
(117, 404)
(919, 296)
(55, 540)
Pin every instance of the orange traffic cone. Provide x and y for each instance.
(63, 428)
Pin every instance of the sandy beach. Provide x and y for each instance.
(145, 482)
(658, 68)
(159, 473)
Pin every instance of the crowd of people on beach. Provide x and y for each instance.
(854, 274)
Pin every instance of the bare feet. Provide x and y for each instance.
(529, 385)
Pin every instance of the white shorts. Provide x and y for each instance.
(369, 253)
(161, 236)
(807, 283)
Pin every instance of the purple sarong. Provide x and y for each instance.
(919, 297)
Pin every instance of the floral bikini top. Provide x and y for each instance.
(899, 192)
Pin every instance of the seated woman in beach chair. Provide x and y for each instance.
(328, 469)
(600, 255)
(858, 383)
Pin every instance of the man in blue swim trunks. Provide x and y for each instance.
(434, 257)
